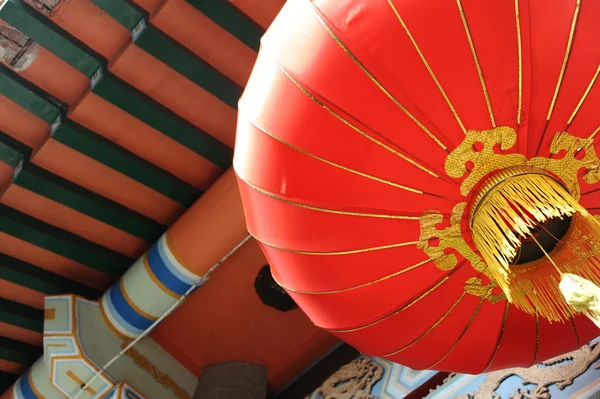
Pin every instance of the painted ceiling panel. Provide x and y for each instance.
(115, 117)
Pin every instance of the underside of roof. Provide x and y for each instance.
(115, 117)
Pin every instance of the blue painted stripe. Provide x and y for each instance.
(163, 274)
(163, 247)
(129, 394)
(25, 387)
(117, 318)
(124, 309)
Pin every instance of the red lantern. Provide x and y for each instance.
(369, 135)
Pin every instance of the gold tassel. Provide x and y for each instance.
(508, 208)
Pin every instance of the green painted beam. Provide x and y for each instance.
(95, 146)
(61, 242)
(49, 237)
(54, 187)
(115, 90)
(153, 114)
(230, 18)
(172, 53)
(20, 94)
(9, 154)
(123, 12)
(58, 189)
(27, 275)
(7, 380)
(116, 157)
(20, 315)
(39, 28)
(189, 65)
(19, 352)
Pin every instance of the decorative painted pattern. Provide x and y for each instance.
(163, 379)
(124, 391)
(387, 380)
(573, 375)
(64, 358)
(152, 285)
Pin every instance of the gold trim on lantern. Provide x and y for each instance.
(507, 208)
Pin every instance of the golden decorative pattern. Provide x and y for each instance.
(156, 374)
(478, 148)
(475, 287)
(476, 157)
(579, 154)
(451, 237)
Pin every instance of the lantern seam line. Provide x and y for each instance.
(408, 269)
(576, 332)
(336, 165)
(325, 210)
(352, 126)
(376, 82)
(562, 72)
(477, 64)
(500, 336)
(437, 323)
(428, 67)
(397, 312)
(583, 97)
(520, 58)
(537, 339)
(464, 331)
(336, 253)
(565, 59)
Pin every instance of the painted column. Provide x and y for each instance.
(95, 332)
(179, 260)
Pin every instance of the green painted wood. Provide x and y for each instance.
(10, 155)
(158, 44)
(27, 99)
(125, 13)
(7, 380)
(58, 189)
(129, 164)
(39, 28)
(189, 65)
(120, 10)
(232, 20)
(23, 151)
(131, 100)
(27, 275)
(158, 117)
(96, 146)
(61, 242)
(20, 315)
(54, 187)
(19, 352)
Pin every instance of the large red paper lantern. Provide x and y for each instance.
(366, 134)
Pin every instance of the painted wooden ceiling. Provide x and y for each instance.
(115, 116)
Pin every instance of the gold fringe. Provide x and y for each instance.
(509, 208)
